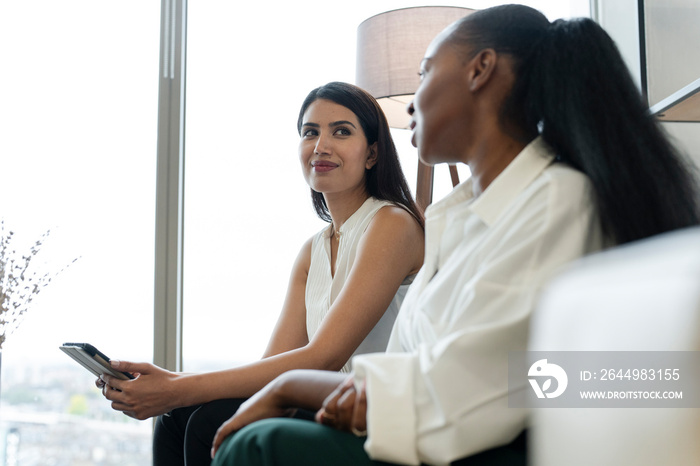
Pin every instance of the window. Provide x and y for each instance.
(78, 119)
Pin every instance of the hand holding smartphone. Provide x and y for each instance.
(92, 359)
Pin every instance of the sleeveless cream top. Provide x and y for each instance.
(322, 288)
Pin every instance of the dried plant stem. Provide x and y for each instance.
(19, 284)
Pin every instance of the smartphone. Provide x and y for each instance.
(92, 359)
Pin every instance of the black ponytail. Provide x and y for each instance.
(573, 87)
(596, 120)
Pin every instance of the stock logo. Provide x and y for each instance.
(546, 372)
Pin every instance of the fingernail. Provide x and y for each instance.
(114, 363)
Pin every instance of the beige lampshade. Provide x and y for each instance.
(390, 47)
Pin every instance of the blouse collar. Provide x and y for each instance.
(524, 169)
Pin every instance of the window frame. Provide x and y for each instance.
(170, 187)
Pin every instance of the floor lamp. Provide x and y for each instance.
(390, 47)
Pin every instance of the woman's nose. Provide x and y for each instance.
(410, 109)
(322, 145)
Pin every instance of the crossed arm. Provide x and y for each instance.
(390, 250)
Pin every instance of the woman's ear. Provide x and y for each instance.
(372, 158)
(481, 68)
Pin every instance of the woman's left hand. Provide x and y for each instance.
(298, 388)
(265, 404)
(150, 393)
(345, 409)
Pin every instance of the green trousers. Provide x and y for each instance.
(292, 442)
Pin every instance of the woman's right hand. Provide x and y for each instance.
(345, 409)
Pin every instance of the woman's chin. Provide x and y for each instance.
(425, 158)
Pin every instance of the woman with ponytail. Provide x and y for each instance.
(565, 160)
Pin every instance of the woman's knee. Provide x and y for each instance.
(245, 446)
(290, 442)
(205, 420)
(202, 426)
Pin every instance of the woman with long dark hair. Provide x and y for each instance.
(565, 160)
(344, 292)
(386, 180)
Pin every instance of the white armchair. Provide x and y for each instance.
(640, 297)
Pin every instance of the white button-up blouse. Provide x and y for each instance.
(440, 393)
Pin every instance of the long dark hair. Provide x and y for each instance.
(384, 180)
(573, 87)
